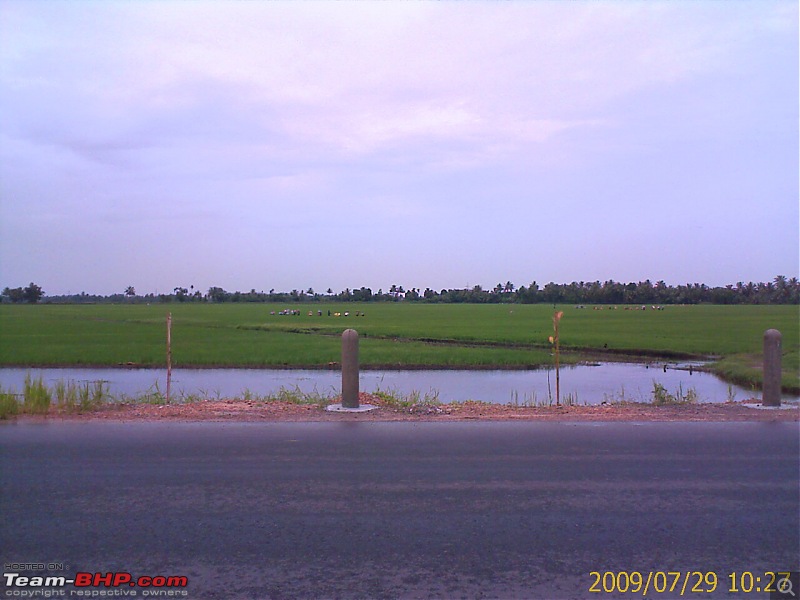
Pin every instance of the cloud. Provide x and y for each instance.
(308, 117)
(349, 79)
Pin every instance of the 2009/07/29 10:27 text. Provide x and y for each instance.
(690, 582)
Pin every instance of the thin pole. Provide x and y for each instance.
(169, 354)
(771, 390)
(558, 382)
(555, 340)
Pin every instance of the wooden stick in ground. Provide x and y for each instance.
(169, 354)
(556, 319)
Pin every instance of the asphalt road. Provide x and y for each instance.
(402, 510)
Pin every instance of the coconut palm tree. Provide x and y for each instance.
(781, 289)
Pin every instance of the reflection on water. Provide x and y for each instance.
(585, 384)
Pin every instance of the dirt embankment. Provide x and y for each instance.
(241, 410)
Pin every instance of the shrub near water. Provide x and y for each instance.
(73, 396)
(8, 404)
(36, 396)
(70, 396)
(662, 397)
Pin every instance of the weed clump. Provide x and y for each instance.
(533, 401)
(297, 396)
(8, 404)
(413, 402)
(288, 396)
(152, 396)
(36, 396)
(72, 396)
(661, 397)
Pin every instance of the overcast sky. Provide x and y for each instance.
(426, 144)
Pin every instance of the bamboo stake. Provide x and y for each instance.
(554, 340)
(558, 378)
(169, 354)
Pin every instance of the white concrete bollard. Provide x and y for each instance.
(350, 401)
(350, 368)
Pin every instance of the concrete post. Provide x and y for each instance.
(771, 395)
(350, 369)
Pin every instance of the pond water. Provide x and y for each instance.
(586, 384)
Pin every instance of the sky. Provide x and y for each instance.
(295, 145)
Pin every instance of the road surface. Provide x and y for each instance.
(401, 510)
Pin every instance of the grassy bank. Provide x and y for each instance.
(71, 397)
(67, 397)
(392, 335)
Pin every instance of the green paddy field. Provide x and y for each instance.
(394, 335)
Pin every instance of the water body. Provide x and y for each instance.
(585, 384)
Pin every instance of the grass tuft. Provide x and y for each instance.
(296, 396)
(289, 396)
(36, 396)
(72, 396)
(661, 397)
(151, 396)
(413, 402)
(8, 404)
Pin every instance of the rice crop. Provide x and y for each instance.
(393, 335)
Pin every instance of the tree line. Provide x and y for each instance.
(781, 290)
